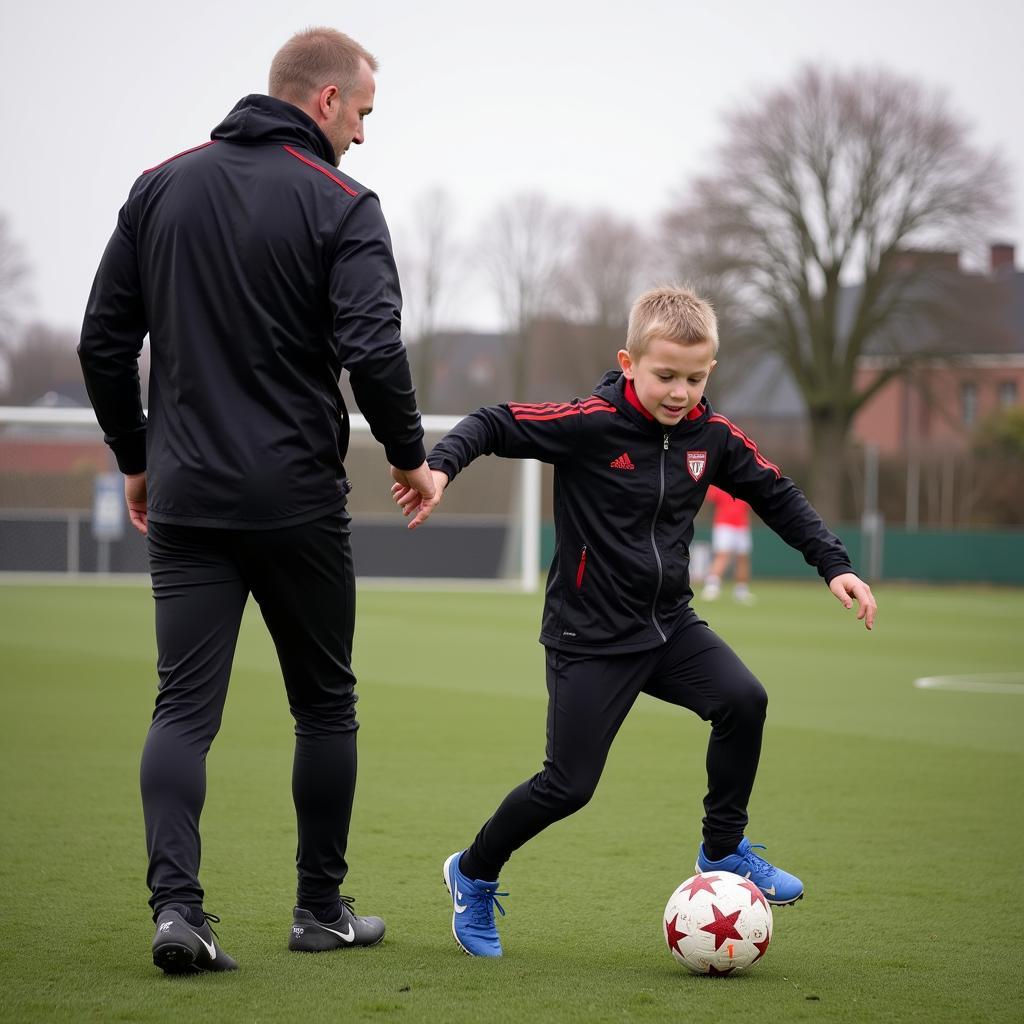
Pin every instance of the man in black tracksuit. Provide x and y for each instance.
(259, 272)
(632, 465)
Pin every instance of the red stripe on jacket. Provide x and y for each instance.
(323, 170)
(556, 411)
(184, 152)
(736, 432)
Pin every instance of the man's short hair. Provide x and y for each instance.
(677, 314)
(316, 58)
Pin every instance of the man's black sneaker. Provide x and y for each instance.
(179, 948)
(310, 935)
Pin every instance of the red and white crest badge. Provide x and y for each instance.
(696, 462)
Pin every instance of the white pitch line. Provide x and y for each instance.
(983, 682)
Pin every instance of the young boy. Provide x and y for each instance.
(632, 465)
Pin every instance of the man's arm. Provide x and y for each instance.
(366, 300)
(112, 334)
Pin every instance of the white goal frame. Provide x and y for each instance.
(525, 518)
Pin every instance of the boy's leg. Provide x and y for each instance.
(199, 597)
(303, 580)
(588, 699)
(699, 671)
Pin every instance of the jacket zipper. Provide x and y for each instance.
(582, 567)
(654, 544)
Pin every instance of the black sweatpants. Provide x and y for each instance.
(303, 581)
(589, 697)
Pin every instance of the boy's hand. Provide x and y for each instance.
(412, 499)
(849, 588)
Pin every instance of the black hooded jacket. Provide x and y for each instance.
(260, 271)
(626, 493)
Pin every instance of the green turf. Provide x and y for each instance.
(900, 808)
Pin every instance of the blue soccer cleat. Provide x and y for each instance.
(473, 917)
(780, 888)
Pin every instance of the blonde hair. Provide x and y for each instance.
(677, 314)
(316, 58)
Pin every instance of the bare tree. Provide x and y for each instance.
(13, 273)
(428, 272)
(604, 270)
(802, 234)
(523, 249)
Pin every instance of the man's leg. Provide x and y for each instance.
(304, 582)
(199, 599)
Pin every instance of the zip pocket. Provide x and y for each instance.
(582, 568)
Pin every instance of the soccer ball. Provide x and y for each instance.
(717, 922)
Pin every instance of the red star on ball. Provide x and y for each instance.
(761, 948)
(756, 896)
(715, 973)
(723, 927)
(700, 883)
(673, 934)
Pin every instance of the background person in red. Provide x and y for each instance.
(730, 539)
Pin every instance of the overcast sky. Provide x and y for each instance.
(595, 104)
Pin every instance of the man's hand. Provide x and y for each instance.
(418, 493)
(135, 496)
(849, 588)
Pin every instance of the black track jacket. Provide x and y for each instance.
(626, 493)
(259, 271)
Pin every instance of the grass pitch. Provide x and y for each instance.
(900, 808)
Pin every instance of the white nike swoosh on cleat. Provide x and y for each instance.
(770, 892)
(459, 909)
(210, 947)
(346, 936)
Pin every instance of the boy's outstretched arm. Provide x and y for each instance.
(848, 588)
(548, 432)
(411, 499)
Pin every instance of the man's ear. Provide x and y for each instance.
(626, 362)
(328, 100)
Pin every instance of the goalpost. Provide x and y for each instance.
(60, 511)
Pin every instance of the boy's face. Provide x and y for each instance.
(669, 377)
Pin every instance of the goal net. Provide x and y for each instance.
(61, 509)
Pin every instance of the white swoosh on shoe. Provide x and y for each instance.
(346, 936)
(210, 947)
(459, 908)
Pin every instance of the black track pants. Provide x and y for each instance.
(589, 697)
(303, 581)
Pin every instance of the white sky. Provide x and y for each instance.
(592, 103)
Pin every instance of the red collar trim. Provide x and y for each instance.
(634, 400)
